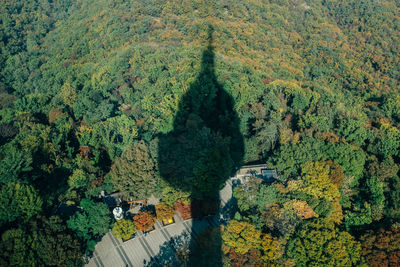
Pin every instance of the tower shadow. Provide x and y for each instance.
(201, 153)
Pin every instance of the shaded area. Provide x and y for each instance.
(202, 151)
(172, 252)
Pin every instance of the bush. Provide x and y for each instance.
(124, 229)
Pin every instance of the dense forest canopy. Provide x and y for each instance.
(87, 87)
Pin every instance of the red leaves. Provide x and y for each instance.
(184, 209)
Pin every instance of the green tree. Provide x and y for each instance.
(352, 130)
(171, 196)
(316, 243)
(17, 249)
(18, 201)
(377, 196)
(45, 242)
(91, 222)
(247, 196)
(213, 165)
(133, 172)
(391, 107)
(78, 179)
(13, 162)
(116, 134)
(358, 214)
(387, 142)
(54, 244)
(393, 208)
(266, 196)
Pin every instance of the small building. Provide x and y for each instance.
(260, 171)
(269, 175)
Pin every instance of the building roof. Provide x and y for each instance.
(257, 171)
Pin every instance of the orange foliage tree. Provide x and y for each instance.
(301, 209)
(144, 221)
(381, 248)
(336, 173)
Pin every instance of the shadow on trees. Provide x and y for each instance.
(202, 152)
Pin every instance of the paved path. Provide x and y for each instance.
(142, 250)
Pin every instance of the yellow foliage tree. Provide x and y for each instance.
(301, 209)
(164, 212)
(317, 182)
(124, 229)
(68, 94)
(241, 236)
(271, 247)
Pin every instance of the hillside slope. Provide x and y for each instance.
(87, 88)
